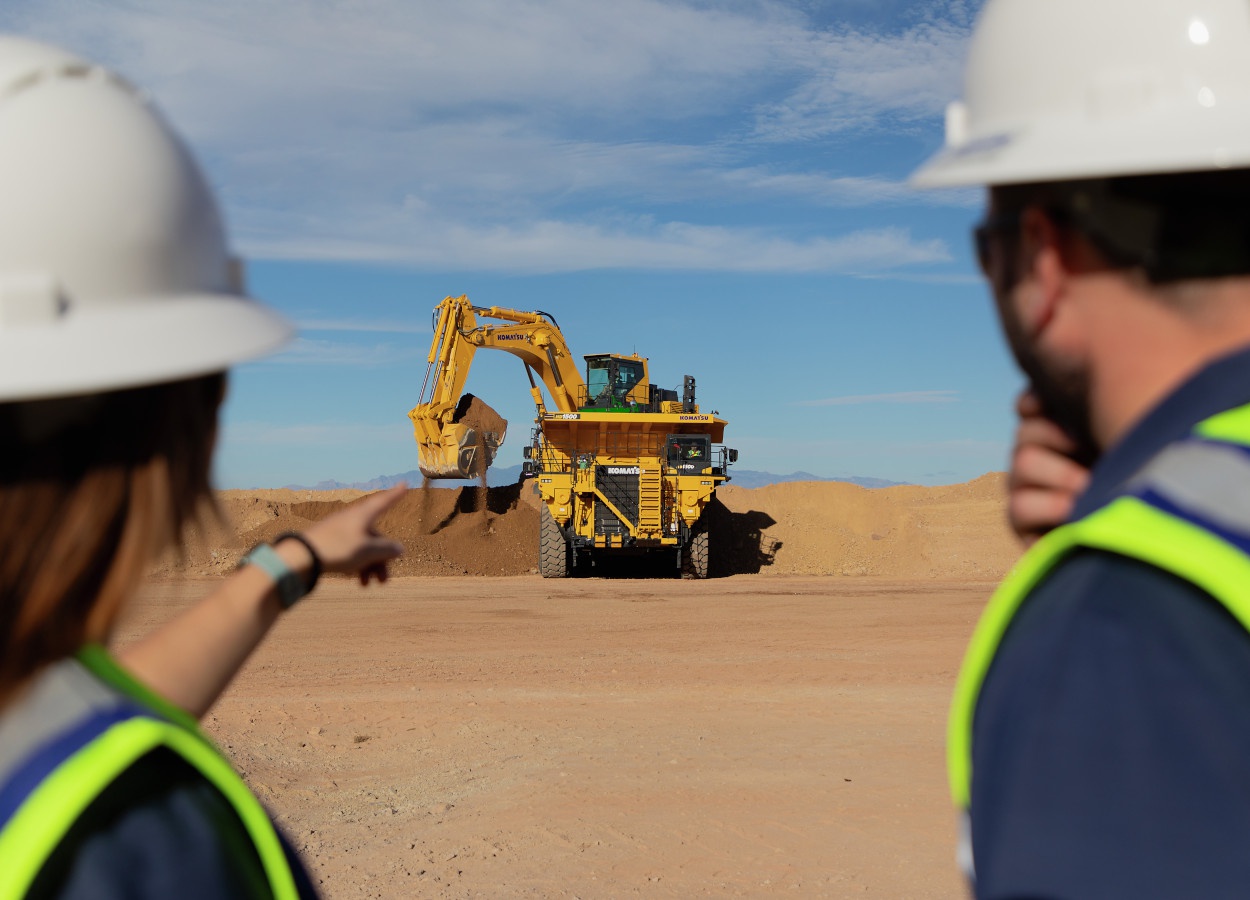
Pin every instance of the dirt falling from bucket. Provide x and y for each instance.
(483, 492)
(478, 415)
(426, 500)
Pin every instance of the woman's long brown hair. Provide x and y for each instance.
(91, 489)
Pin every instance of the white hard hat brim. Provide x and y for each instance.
(1059, 150)
(91, 351)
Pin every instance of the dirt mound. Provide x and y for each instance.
(833, 528)
(794, 528)
(465, 531)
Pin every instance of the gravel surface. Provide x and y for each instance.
(751, 736)
(774, 731)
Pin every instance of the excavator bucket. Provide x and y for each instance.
(463, 452)
(466, 446)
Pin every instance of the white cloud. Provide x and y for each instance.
(958, 278)
(856, 190)
(527, 135)
(398, 62)
(872, 81)
(898, 397)
(309, 352)
(388, 327)
(242, 434)
(561, 246)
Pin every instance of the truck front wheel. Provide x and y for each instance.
(694, 562)
(553, 549)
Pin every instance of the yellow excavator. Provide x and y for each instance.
(622, 466)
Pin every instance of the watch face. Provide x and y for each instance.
(289, 585)
(290, 589)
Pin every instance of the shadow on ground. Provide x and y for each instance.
(739, 545)
(470, 500)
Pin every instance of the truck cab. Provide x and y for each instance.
(689, 454)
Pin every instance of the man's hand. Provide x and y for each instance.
(1044, 480)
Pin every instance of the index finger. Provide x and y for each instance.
(376, 504)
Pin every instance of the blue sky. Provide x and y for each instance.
(719, 186)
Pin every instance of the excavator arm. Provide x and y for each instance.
(447, 445)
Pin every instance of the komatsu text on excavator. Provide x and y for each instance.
(622, 466)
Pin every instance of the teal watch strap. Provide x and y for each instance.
(290, 585)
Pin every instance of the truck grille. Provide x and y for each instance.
(619, 484)
(606, 522)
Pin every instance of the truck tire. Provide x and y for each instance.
(553, 549)
(695, 560)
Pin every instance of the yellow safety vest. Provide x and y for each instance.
(1134, 526)
(45, 814)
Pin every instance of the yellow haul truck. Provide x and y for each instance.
(622, 466)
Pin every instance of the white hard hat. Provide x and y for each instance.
(1058, 90)
(114, 269)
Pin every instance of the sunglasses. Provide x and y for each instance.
(998, 224)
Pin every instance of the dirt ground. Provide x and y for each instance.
(750, 736)
(778, 731)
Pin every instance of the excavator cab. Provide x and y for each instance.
(611, 381)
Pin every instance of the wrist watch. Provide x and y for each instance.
(290, 586)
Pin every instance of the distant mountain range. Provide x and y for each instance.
(496, 477)
(749, 478)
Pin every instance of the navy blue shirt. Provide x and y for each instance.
(1111, 743)
(160, 830)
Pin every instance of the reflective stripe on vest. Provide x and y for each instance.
(107, 747)
(1188, 514)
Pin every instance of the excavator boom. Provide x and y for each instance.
(453, 443)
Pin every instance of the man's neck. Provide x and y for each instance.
(1143, 347)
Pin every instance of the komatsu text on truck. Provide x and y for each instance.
(622, 466)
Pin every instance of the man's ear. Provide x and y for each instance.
(1048, 270)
